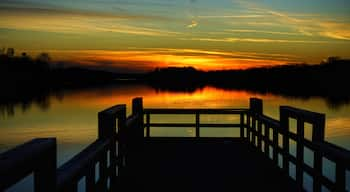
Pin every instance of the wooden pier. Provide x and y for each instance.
(266, 155)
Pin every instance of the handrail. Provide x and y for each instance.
(197, 112)
(194, 111)
(38, 156)
(80, 165)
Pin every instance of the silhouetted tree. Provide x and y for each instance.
(10, 52)
(44, 58)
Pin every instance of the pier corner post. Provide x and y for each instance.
(137, 109)
(256, 105)
(45, 173)
(255, 109)
(284, 121)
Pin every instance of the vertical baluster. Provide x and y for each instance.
(285, 134)
(318, 134)
(197, 125)
(266, 139)
(275, 144)
(148, 122)
(300, 153)
(241, 122)
(90, 179)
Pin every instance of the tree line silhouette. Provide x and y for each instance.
(328, 79)
(25, 80)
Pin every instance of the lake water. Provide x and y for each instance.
(71, 116)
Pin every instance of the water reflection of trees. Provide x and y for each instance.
(10, 107)
(10, 104)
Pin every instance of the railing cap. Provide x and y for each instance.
(113, 111)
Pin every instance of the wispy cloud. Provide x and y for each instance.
(305, 24)
(56, 11)
(230, 16)
(63, 20)
(66, 21)
(193, 24)
(261, 31)
(335, 30)
(253, 40)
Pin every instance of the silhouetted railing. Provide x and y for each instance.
(291, 159)
(108, 159)
(196, 113)
(37, 156)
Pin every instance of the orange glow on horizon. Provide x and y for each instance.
(147, 60)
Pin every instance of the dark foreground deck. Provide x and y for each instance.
(265, 154)
(204, 164)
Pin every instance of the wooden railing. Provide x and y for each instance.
(197, 123)
(111, 156)
(37, 156)
(274, 138)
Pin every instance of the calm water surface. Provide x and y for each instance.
(72, 117)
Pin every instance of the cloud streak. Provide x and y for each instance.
(261, 31)
(193, 24)
(79, 23)
(308, 25)
(253, 40)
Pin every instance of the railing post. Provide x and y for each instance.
(45, 173)
(284, 122)
(107, 124)
(121, 140)
(137, 109)
(318, 134)
(106, 130)
(37, 156)
(256, 105)
(135, 137)
(256, 109)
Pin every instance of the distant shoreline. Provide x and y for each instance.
(22, 80)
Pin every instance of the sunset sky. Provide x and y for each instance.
(139, 35)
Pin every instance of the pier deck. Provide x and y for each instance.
(204, 164)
